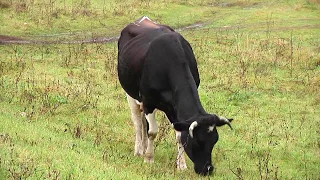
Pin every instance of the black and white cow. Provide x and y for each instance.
(158, 70)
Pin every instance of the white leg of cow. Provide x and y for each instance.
(139, 148)
(144, 131)
(181, 162)
(153, 130)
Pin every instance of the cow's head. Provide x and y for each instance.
(198, 137)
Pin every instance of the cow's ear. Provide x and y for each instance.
(223, 121)
(181, 126)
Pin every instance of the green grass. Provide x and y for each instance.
(63, 114)
(91, 18)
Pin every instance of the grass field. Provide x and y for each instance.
(64, 115)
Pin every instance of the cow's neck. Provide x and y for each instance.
(187, 101)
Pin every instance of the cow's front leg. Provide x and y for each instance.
(181, 162)
(152, 133)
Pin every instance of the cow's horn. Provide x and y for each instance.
(226, 121)
(192, 126)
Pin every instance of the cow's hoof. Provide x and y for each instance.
(139, 149)
(138, 153)
(181, 167)
(148, 158)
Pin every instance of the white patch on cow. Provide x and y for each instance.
(224, 119)
(140, 105)
(211, 128)
(181, 162)
(153, 130)
(144, 18)
(140, 127)
(138, 102)
(153, 126)
(191, 127)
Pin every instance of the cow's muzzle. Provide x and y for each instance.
(206, 170)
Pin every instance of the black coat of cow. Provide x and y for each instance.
(157, 67)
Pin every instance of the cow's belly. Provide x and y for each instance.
(129, 78)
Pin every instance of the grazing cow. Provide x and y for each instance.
(158, 70)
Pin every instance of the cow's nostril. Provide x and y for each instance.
(210, 168)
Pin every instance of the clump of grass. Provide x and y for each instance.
(5, 4)
(20, 166)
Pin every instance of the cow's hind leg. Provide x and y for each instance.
(144, 132)
(140, 126)
(152, 133)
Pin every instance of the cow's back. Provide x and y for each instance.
(133, 45)
(169, 63)
(170, 56)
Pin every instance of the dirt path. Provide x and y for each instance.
(5, 40)
(18, 40)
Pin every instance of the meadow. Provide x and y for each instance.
(64, 115)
